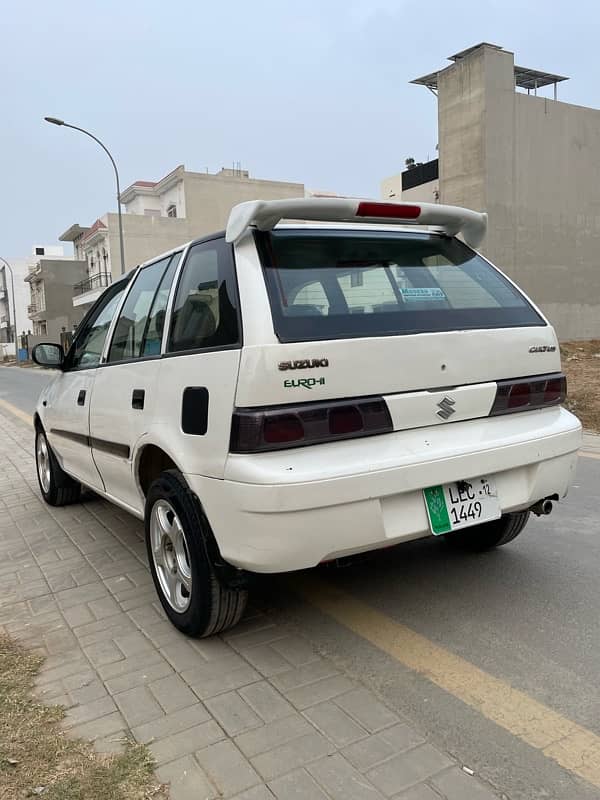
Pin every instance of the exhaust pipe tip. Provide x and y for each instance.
(542, 507)
(547, 506)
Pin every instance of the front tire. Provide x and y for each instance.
(490, 534)
(57, 488)
(195, 598)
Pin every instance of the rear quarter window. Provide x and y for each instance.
(205, 310)
(340, 284)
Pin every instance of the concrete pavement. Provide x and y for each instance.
(254, 714)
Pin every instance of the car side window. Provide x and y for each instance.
(205, 307)
(152, 340)
(133, 319)
(88, 345)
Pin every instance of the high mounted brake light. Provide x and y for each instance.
(388, 210)
(265, 214)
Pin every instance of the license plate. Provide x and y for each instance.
(459, 505)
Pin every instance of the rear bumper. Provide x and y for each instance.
(289, 510)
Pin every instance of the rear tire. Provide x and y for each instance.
(489, 535)
(57, 488)
(195, 597)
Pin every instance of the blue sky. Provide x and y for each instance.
(316, 92)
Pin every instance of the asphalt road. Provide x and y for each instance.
(527, 614)
(21, 386)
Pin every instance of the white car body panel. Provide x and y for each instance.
(391, 364)
(67, 424)
(112, 419)
(218, 371)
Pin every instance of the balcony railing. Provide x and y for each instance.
(32, 309)
(98, 281)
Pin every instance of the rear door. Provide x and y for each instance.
(413, 316)
(68, 400)
(199, 370)
(126, 384)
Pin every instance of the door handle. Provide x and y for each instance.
(81, 398)
(137, 398)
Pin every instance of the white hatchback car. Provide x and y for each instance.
(277, 396)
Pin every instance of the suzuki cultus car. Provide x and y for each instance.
(281, 395)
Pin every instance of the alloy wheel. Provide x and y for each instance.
(170, 555)
(43, 462)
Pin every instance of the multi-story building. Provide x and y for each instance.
(51, 278)
(7, 323)
(22, 295)
(161, 215)
(533, 163)
(7, 331)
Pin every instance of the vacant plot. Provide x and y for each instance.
(38, 759)
(581, 363)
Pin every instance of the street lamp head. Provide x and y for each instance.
(56, 121)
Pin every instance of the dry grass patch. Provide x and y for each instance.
(38, 759)
(581, 363)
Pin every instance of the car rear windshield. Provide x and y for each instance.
(342, 284)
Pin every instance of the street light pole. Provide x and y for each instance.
(14, 311)
(56, 121)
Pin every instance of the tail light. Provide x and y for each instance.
(255, 430)
(524, 394)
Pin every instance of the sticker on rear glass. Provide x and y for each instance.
(425, 293)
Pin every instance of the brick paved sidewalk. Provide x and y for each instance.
(253, 715)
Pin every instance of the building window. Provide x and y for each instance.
(171, 210)
(40, 251)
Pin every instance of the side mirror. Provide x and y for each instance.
(48, 355)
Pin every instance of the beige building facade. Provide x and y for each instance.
(161, 215)
(533, 163)
(50, 310)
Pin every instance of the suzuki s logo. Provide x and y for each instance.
(542, 348)
(446, 408)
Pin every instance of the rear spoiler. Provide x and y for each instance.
(265, 214)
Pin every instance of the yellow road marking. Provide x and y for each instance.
(573, 747)
(28, 418)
